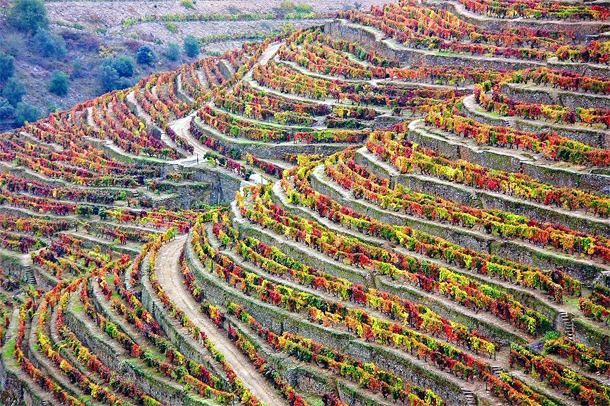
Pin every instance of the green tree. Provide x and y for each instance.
(191, 46)
(7, 66)
(173, 51)
(59, 83)
(145, 55)
(50, 45)
(13, 91)
(28, 15)
(26, 112)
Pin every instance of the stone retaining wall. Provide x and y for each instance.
(481, 198)
(268, 150)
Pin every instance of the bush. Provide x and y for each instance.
(59, 83)
(13, 91)
(173, 51)
(288, 28)
(28, 15)
(13, 44)
(77, 68)
(303, 8)
(289, 7)
(191, 46)
(7, 66)
(115, 73)
(6, 110)
(145, 55)
(124, 66)
(171, 27)
(50, 44)
(26, 112)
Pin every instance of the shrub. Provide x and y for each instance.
(133, 44)
(26, 112)
(7, 66)
(288, 28)
(287, 6)
(6, 110)
(191, 46)
(13, 43)
(115, 73)
(124, 66)
(145, 55)
(28, 15)
(59, 83)
(171, 27)
(13, 91)
(173, 51)
(50, 45)
(91, 43)
(77, 68)
(303, 8)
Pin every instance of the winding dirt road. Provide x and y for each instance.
(167, 269)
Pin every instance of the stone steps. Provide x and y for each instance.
(567, 324)
(497, 370)
(28, 275)
(469, 399)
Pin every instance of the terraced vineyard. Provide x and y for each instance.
(406, 206)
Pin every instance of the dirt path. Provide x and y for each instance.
(168, 271)
(182, 128)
